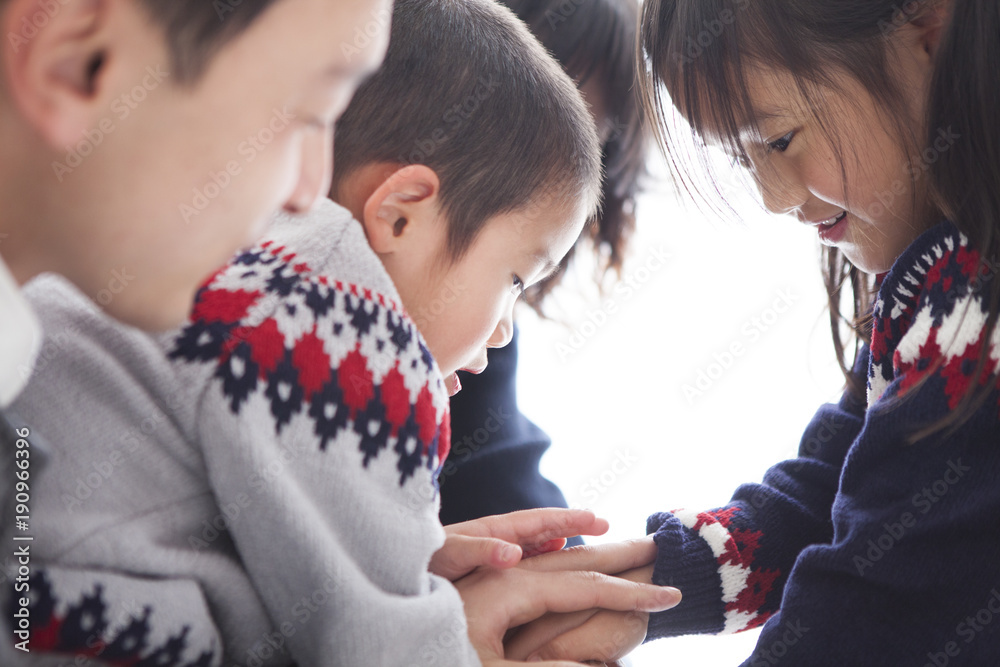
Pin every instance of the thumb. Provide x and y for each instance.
(462, 554)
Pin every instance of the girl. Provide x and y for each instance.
(872, 123)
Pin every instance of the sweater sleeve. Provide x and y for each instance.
(325, 423)
(912, 574)
(493, 466)
(109, 618)
(732, 563)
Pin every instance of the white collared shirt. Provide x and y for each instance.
(20, 338)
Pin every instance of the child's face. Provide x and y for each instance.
(464, 308)
(864, 200)
(177, 177)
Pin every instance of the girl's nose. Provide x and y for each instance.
(782, 192)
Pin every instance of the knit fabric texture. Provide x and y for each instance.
(869, 548)
(270, 468)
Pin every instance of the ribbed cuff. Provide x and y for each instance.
(685, 561)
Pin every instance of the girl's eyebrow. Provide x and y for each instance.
(768, 113)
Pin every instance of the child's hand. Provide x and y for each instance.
(591, 634)
(496, 600)
(502, 541)
(598, 635)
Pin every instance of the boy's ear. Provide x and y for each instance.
(400, 207)
(54, 72)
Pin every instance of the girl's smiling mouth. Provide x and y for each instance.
(832, 229)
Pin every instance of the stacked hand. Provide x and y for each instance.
(569, 591)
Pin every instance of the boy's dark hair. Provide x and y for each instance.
(595, 40)
(468, 92)
(197, 29)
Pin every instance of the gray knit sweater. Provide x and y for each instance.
(257, 487)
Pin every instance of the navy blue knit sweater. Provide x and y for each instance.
(496, 450)
(866, 549)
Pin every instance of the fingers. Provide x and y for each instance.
(462, 554)
(541, 592)
(536, 635)
(607, 558)
(551, 545)
(607, 637)
(531, 528)
(499, 662)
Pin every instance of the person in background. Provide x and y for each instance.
(494, 465)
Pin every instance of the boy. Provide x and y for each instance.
(278, 454)
(112, 113)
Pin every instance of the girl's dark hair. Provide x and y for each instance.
(965, 96)
(700, 51)
(197, 29)
(595, 40)
(467, 91)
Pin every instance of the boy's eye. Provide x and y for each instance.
(781, 145)
(518, 287)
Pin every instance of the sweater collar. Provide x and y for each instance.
(20, 337)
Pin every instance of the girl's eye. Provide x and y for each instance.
(518, 287)
(781, 145)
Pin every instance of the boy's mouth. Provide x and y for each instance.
(452, 384)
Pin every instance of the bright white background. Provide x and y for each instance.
(614, 390)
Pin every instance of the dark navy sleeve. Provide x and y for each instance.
(732, 563)
(911, 575)
(496, 450)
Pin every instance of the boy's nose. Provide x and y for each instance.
(315, 172)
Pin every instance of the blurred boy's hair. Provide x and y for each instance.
(197, 29)
(467, 91)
